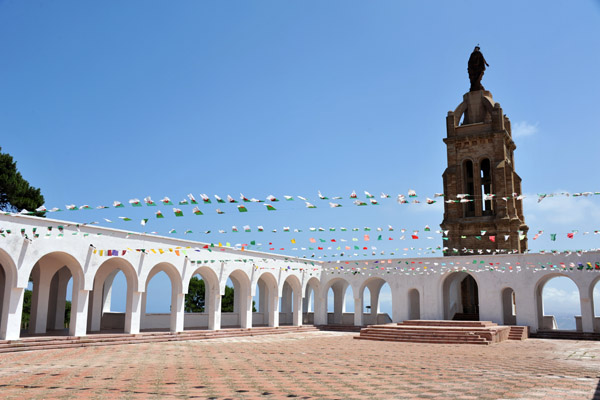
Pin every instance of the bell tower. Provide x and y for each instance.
(483, 208)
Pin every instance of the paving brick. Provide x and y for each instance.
(315, 365)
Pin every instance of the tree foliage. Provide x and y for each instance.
(227, 300)
(26, 316)
(195, 299)
(15, 192)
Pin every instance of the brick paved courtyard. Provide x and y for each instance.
(307, 366)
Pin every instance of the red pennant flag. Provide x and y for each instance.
(570, 235)
(492, 238)
(414, 236)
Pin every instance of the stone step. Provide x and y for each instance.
(418, 333)
(393, 328)
(62, 342)
(408, 336)
(436, 323)
(423, 331)
(518, 333)
(340, 328)
(425, 340)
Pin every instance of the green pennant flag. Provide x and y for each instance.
(242, 208)
(553, 237)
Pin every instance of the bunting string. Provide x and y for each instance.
(333, 202)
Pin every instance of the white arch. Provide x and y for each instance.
(102, 287)
(269, 297)
(295, 296)
(312, 285)
(47, 265)
(11, 299)
(177, 295)
(212, 294)
(414, 303)
(447, 289)
(374, 284)
(339, 286)
(508, 301)
(548, 322)
(242, 297)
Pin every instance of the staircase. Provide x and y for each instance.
(108, 339)
(518, 332)
(448, 332)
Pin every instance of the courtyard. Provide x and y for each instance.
(313, 365)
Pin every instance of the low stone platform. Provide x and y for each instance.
(448, 332)
(340, 328)
(110, 338)
(566, 335)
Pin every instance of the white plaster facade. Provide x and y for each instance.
(426, 288)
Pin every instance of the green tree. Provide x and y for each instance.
(26, 309)
(26, 316)
(15, 192)
(67, 313)
(227, 300)
(195, 298)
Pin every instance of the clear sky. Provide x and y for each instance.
(117, 100)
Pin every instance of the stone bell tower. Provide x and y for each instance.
(483, 209)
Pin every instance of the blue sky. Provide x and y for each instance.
(113, 101)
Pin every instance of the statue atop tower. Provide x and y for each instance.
(483, 208)
(476, 67)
